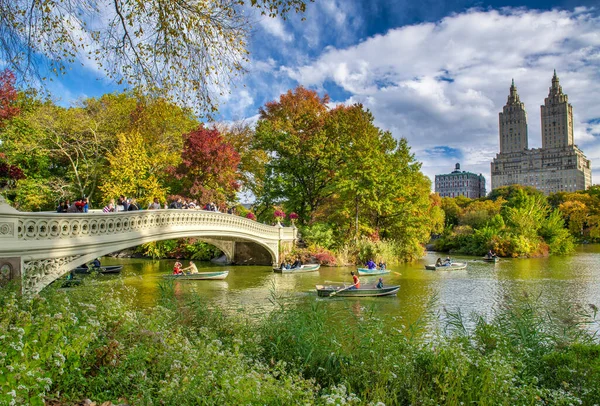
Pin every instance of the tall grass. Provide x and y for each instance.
(93, 343)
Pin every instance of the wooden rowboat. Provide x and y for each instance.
(102, 269)
(303, 268)
(343, 291)
(368, 272)
(452, 267)
(199, 276)
(492, 259)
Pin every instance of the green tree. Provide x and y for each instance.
(303, 156)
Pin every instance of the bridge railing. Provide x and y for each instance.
(49, 226)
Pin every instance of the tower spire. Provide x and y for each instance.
(513, 96)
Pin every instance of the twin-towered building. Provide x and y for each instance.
(559, 166)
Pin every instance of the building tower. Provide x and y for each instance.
(557, 118)
(513, 124)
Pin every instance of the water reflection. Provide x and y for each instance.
(557, 282)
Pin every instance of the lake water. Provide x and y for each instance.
(555, 282)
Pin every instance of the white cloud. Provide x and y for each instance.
(444, 83)
(275, 27)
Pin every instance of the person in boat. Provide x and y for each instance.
(177, 268)
(491, 254)
(297, 263)
(439, 262)
(84, 266)
(355, 281)
(381, 265)
(379, 284)
(370, 264)
(97, 263)
(447, 262)
(192, 268)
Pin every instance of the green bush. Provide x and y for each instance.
(320, 234)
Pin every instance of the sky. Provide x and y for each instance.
(434, 72)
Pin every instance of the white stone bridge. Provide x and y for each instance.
(38, 248)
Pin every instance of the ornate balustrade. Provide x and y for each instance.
(34, 226)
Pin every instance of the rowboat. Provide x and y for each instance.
(102, 269)
(303, 268)
(375, 271)
(492, 259)
(199, 276)
(327, 291)
(452, 267)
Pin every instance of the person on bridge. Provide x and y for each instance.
(193, 269)
(155, 205)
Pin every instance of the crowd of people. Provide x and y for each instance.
(124, 203)
(80, 205)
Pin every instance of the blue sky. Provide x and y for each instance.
(435, 72)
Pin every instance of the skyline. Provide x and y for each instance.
(437, 76)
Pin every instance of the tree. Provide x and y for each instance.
(133, 171)
(8, 96)
(303, 156)
(188, 49)
(71, 145)
(209, 167)
(252, 167)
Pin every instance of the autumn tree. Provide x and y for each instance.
(68, 147)
(252, 169)
(133, 171)
(209, 167)
(303, 156)
(8, 96)
(187, 49)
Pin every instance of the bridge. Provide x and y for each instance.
(38, 248)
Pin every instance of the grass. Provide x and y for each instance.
(91, 342)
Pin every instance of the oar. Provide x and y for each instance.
(341, 290)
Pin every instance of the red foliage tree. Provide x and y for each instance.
(8, 96)
(9, 174)
(209, 168)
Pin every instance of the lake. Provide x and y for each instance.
(555, 282)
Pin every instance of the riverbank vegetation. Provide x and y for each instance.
(520, 221)
(92, 342)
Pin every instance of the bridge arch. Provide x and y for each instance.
(45, 246)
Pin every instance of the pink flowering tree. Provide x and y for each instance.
(250, 216)
(293, 217)
(279, 215)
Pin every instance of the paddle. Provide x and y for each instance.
(341, 290)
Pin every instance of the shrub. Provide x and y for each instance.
(320, 234)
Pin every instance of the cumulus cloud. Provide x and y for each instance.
(444, 83)
(275, 27)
